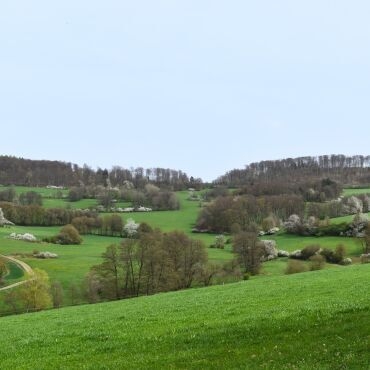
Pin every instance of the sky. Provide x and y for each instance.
(203, 86)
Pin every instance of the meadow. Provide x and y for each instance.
(313, 320)
(74, 262)
(43, 191)
(355, 191)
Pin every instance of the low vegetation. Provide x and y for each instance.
(282, 323)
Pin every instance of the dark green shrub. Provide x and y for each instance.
(68, 235)
(317, 262)
(309, 251)
(294, 267)
(334, 256)
(333, 229)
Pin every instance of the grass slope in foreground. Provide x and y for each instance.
(307, 321)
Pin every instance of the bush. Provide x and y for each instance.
(317, 262)
(68, 235)
(335, 256)
(220, 241)
(294, 267)
(365, 258)
(333, 229)
(309, 251)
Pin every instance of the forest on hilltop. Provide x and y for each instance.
(347, 170)
(27, 172)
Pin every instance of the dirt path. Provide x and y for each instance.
(24, 267)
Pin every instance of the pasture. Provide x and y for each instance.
(355, 191)
(314, 320)
(75, 261)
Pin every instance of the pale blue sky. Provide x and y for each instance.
(201, 86)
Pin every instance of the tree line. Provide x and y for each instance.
(35, 215)
(340, 168)
(27, 172)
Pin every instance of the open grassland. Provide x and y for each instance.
(348, 219)
(315, 320)
(15, 273)
(43, 191)
(74, 261)
(65, 203)
(355, 191)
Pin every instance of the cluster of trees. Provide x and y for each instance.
(19, 171)
(248, 250)
(34, 215)
(311, 191)
(7, 195)
(68, 235)
(34, 295)
(85, 222)
(229, 214)
(340, 168)
(26, 198)
(107, 225)
(150, 196)
(312, 226)
(341, 207)
(154, 262)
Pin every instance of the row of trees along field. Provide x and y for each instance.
(340, 168)
(19, 171)
(34, 215)
(85, 222)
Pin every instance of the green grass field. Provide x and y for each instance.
(15, 273)
(314, 320)
(64, 203)
(73, 262)
(348, 219)
(45, 192)
(355, 191)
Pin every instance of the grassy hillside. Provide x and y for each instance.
(315, 320)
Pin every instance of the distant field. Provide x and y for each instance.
(45, 192)
(294, 242)
(73, 262)
(15, 273)
(64, 203)
(355, 191)
(314, 320)
(338, 220)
